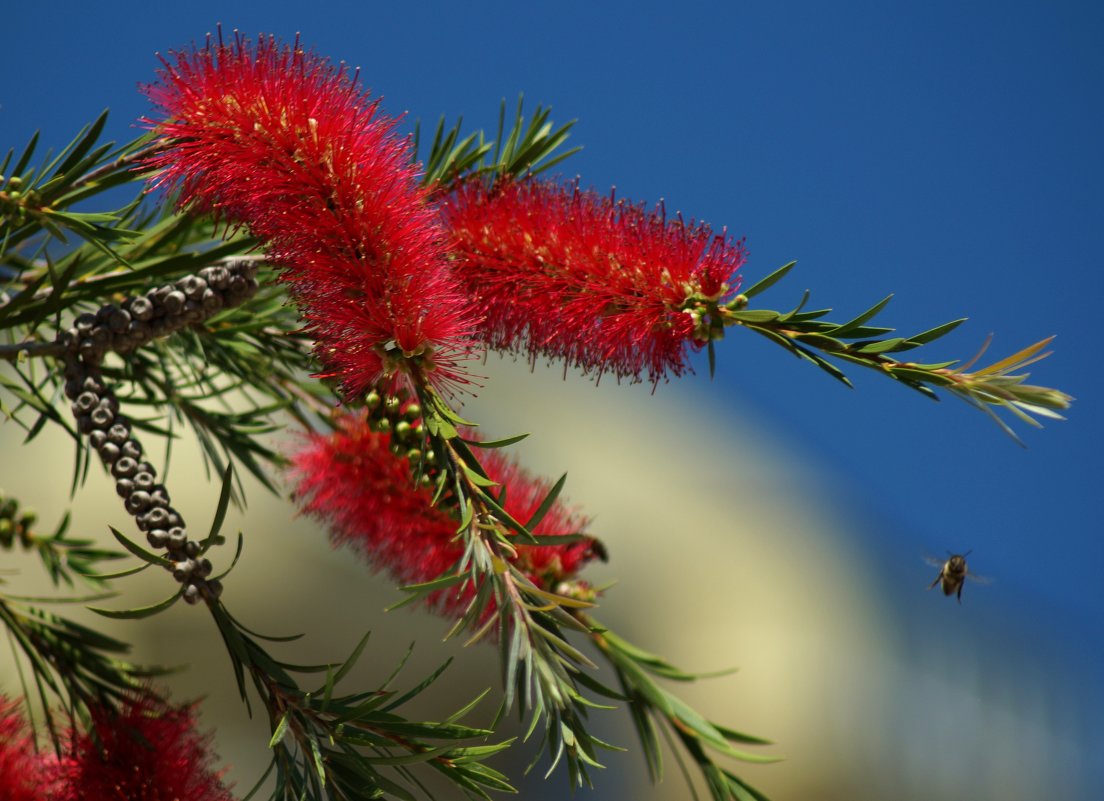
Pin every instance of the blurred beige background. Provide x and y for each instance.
(725, 549)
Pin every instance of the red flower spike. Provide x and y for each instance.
(25, 775)
(352, 481)
(602, 284)
(148, 752)
(282, 142)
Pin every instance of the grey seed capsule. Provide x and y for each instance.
(146, 467)
(155, 518)
(214, 588)
(84, 424)
(193, 286)
(102, 418)
(237, 285)
(97, 439)
(90, 351)
(175, 520)
(124, 467)
(120, 432)
(124, 487)
(143, 481)
(132, 448)
(94, 383)
(118, 320)
(158, 295)
(157, 537)
(72, 387)
(190, 593)
(100, 335)
(191, 548)
(192, 311)
(182, 570)
(216, 276)
(159, 496)
(138, 502)
(109, 452)
(174, 301)
(178, 537)
(86, 402)
(109, 401)
(211, 300)
(70, 339)
(141, 308)
(85, 323)
(203, 568)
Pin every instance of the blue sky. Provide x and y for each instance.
(947, 152)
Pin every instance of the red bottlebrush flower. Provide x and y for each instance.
(24, 774)
(602, 284)
(147, 752)
(351, 480)
(278, 140)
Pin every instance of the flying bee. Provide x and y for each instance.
(953, 574)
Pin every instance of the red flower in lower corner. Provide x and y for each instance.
(24, 773)
(351, 480)
(604, 285)
(146, 752)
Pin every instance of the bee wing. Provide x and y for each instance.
(931, 560)
(974, 577)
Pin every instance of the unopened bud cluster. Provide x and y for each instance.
(15, 523)
(402, 420)
(121, 329)
(160, 311)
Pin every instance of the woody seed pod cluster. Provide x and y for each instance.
(121, 329)
(160, 311)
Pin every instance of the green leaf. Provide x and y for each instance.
(352, 659)
(498, 443)
(935, 333)
(419, 688)
(139, 551)
(881, 346)
(769, 281)
(754, 316)
(220, 510)
(138, 613)
(477, 478)
(281, 729)
(546, 504)
(845, 329)
(319, 764)
(234, 562)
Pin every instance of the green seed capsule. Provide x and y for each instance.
(413, 412)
